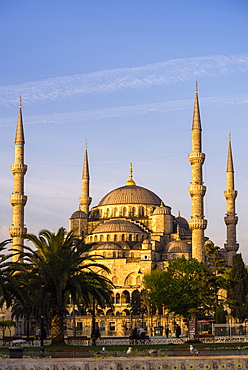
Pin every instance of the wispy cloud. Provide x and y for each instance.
(98, 114)
(108, 81)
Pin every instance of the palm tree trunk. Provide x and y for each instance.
(57, 321)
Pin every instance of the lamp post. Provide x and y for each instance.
(42, 273)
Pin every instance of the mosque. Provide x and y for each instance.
(134, 231)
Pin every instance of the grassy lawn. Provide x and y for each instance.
(121, 349)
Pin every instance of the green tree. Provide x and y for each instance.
(217, 280)
(182, 286)
(139, 302)
(71, 273)
(238, 289)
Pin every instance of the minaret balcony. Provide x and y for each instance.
(230, 194)
(197, 190)
(17, 231)
(197, 223)
(18, 199)
(231, 247)
(198, 158)
(19, 168)
(231, 220)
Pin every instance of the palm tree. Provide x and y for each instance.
(71, 272)
(8, 287)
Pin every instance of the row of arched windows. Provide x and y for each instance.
(116, 237)
(125, 312)
(124, 297)
(122, 212)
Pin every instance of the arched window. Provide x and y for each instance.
(132, 255)
(114, 254)
(125, 312)
(115, 212)
(137, 237)
(133, 211)
(101, 238)
(90, 239)
(117, 298)
(123, 237)
(130, 237)
(95, 238)
(110, 313)
(107, 238)
(115, 238)
(125, 298)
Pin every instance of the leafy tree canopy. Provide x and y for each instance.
(182, 286)
(238, 288)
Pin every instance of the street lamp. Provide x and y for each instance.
(43, 274)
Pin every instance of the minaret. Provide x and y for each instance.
(85, 199)
(18, 199)
(231, 219)
(197, 190)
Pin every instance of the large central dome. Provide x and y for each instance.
(130, 194)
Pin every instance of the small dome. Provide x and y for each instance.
(162, 210)
(124, 245)
(130, 194)
(108, 245)
(182, 221)
(179, 246)
(79, 214)
(117, 226)
(146, 241)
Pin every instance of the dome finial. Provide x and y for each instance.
(20, 101)
(130, 181)
(178, 232)
(196, 86)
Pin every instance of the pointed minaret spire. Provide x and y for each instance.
(231, 219)
(18, 199)
(130, 181)
(85, 199)
(197, 190)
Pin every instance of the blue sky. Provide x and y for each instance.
(122, 75)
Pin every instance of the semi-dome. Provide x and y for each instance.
(130, 194)
(79, 214)
(178, 246)
(109, 246)
(114, 226)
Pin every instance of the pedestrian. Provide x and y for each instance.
(38, 332)
(167, 332)
(134, 334)
(141, 333)
(178, 331)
